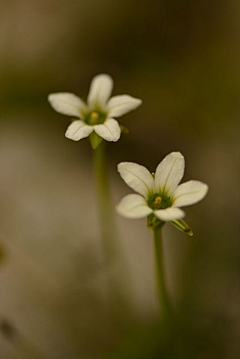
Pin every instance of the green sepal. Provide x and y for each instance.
(95, 140)
(182, 226)
(124, 129)
(153, 222)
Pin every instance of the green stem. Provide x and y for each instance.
(108, 232)
(163, 295)
(116, 282)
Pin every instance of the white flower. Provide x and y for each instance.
(98, 114)
(160, 194)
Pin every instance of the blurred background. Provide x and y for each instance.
(181, 59)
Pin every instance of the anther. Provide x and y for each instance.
(94, 115)
(157, 201)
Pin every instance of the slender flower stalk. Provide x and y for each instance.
(160, 198)
(109, 234)
(160, 271)
(95, 119)
(108, 231)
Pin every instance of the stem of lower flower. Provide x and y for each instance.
(161, 281)
(108, 231)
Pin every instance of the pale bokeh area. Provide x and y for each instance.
(180, 58)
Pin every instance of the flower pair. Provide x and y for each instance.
(160, 196)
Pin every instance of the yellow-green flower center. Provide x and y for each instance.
(159, 201)
(95, 118)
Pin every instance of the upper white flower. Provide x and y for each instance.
(161, 194)
(98, 113)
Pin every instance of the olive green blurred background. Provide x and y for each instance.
(181, 58)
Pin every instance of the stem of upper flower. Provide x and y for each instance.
(108, 231)
(161, 280)
(109, 236)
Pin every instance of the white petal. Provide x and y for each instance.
(133, 206)
(169, 173)
(100, 91)
(137, 177)
(169, 214)
(189, 193)
(78, 130)
(67, 104)
(119, 105)
(109, 130)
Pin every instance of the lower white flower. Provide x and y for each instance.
(160, 195)
(98, 114)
